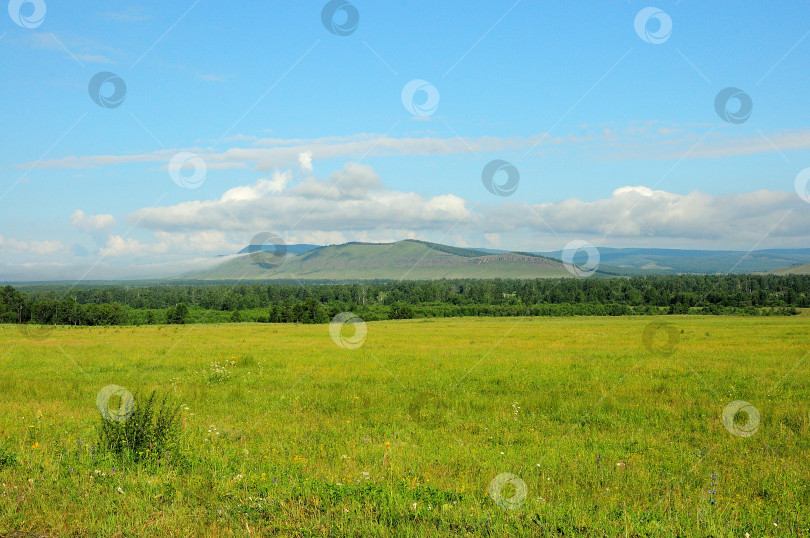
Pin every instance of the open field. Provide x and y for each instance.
(287, 433)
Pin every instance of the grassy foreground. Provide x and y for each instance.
(287, 433)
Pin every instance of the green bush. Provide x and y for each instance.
(151, 432)
(7, 458)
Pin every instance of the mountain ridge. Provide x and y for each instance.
(416, 259)
(406, 259)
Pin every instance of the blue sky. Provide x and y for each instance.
(304, 133)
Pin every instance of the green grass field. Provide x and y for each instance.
(287, 433)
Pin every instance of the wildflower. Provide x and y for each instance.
(35, 445)
(713, 488)
(121, 491)
(620, 464)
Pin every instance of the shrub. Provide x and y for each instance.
(7, 458)
(152, 430)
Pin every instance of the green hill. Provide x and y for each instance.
(406, 260)
(803, 269)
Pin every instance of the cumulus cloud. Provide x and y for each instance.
(91, 223)
(638, 212)
(305, 162)
(353, 198)
(353, 203)
(259, 189)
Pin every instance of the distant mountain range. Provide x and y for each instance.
(421, 260)
(672, 261)
(290, 249)
(406, 260)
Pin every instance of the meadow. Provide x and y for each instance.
(599, 426)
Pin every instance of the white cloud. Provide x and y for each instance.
(260, 188)
(101, 270)
(170, 245)
(129, 15)
(728, 221)
(634, 142)
(305, 162)
(94, 58)
(293, 152)
(127, 246)
(354, 204)
(210, 77)
(639, 189)
(353, 198)
(82, 49)
(34, 248)
(493, 239)
(91, 223)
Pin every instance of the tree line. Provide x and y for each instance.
(319, 302)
